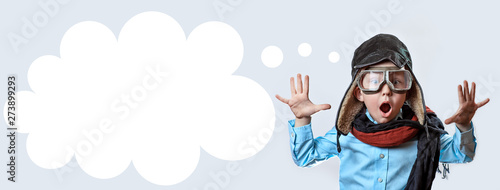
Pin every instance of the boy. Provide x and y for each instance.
(391, 140)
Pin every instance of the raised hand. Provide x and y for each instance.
(467, 107)
(299, 103)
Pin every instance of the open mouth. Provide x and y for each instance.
(385, 108)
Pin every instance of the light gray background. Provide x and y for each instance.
(449, 42)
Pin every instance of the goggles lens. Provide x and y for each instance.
(373, 80)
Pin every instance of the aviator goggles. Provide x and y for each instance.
(371, 81)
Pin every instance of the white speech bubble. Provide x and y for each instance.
(150, 96)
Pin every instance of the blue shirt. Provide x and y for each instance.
(363, 166)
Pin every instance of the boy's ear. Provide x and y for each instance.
(357, 93)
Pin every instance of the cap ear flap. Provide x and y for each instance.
(349, 107)
(415, 101)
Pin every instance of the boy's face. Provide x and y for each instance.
(383, 105)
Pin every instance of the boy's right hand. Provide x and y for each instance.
(300, 104)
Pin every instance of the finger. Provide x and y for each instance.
(292, 86)
(460, 94)
(284, 100)
(473, 92)
(484, 102)
(466, 91)
(450, 120)
(306, 84)
(323, 107)
(299, 83)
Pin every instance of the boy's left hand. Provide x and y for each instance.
(467, 107)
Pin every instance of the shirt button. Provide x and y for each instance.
(382, 156)
(380, 180)
(293, 135)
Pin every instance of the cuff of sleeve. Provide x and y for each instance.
(299, 134)
(467, 143)
(467, 137)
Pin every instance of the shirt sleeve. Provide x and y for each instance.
(459, 148)
(307, 151)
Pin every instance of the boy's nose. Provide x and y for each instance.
(386, 90)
